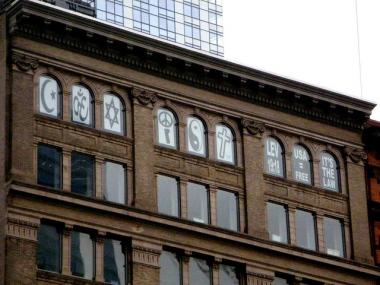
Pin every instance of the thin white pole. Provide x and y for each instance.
(358, 48)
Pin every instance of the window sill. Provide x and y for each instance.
(59, 278)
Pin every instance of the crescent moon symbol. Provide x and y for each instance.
(46, 107)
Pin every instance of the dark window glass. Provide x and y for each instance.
(301, 165)
(82, 174)
(280, 281)
(274, 157)
(170, 269)
(115, 182)
(329, 172)
(227, 215)
(49, 248)
(82, 255)
(200, 272)
(333, 237)
(49, 166)
(167, 192)
(277, 223)
(228, 275)
(305, 230)
(114, 262)
(197, 203)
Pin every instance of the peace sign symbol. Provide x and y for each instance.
(165, 119)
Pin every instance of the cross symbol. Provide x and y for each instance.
(224, 140)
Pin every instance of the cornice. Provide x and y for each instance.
(70, 31)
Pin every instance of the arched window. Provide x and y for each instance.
(49, 99)
(82, 108)
(196, 136)
(225, 144)
(167, 128)
(274, 157)
(329, 172)
(301, 165)
(113, 114)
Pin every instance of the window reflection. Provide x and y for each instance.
(49, 166)
(82, 255)
(167, 192)
(49, 248)
(115, 182)
(277, 223)
(197, 203)
(305, 230)
(333, 237)
(170, 269)
(200, 272)
(227, 214)
(228, 275)
(82, 174)
(114, 262)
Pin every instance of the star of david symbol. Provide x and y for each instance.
(115, 113)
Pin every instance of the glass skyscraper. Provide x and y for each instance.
(195, 23)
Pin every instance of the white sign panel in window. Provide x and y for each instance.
(196, 136)
(328, 169)
(167, 128)
(273, 157)
(113, 113)
(224, 144)
(49, 97)
(81, 105)
(301, 165)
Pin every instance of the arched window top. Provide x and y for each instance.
(274, 157)
(301, 165)
(196, 136)
(113, 113)
(225, 143)
(167, 128)
(82, 105)
(329, 172)
(49, 98)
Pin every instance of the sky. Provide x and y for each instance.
(312, 41)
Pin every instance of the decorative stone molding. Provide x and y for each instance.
(356, 155)
(146, 254)
(259, 279)
(24, 63)
(144, 97)
(22, 229)
(254, 128)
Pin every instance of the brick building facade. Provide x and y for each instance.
(372, 142)
(225, 175)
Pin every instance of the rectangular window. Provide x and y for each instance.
(277, 223)
(49, 166)
(305, 230)
(170, 269)
(333, 237)
(115, 262)
(227, 210)
(49, 248)
(114, 189)
(82, 174)
(82, 255)
(197, 203)
(228, 275)
(199, 271)
(167, 194)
